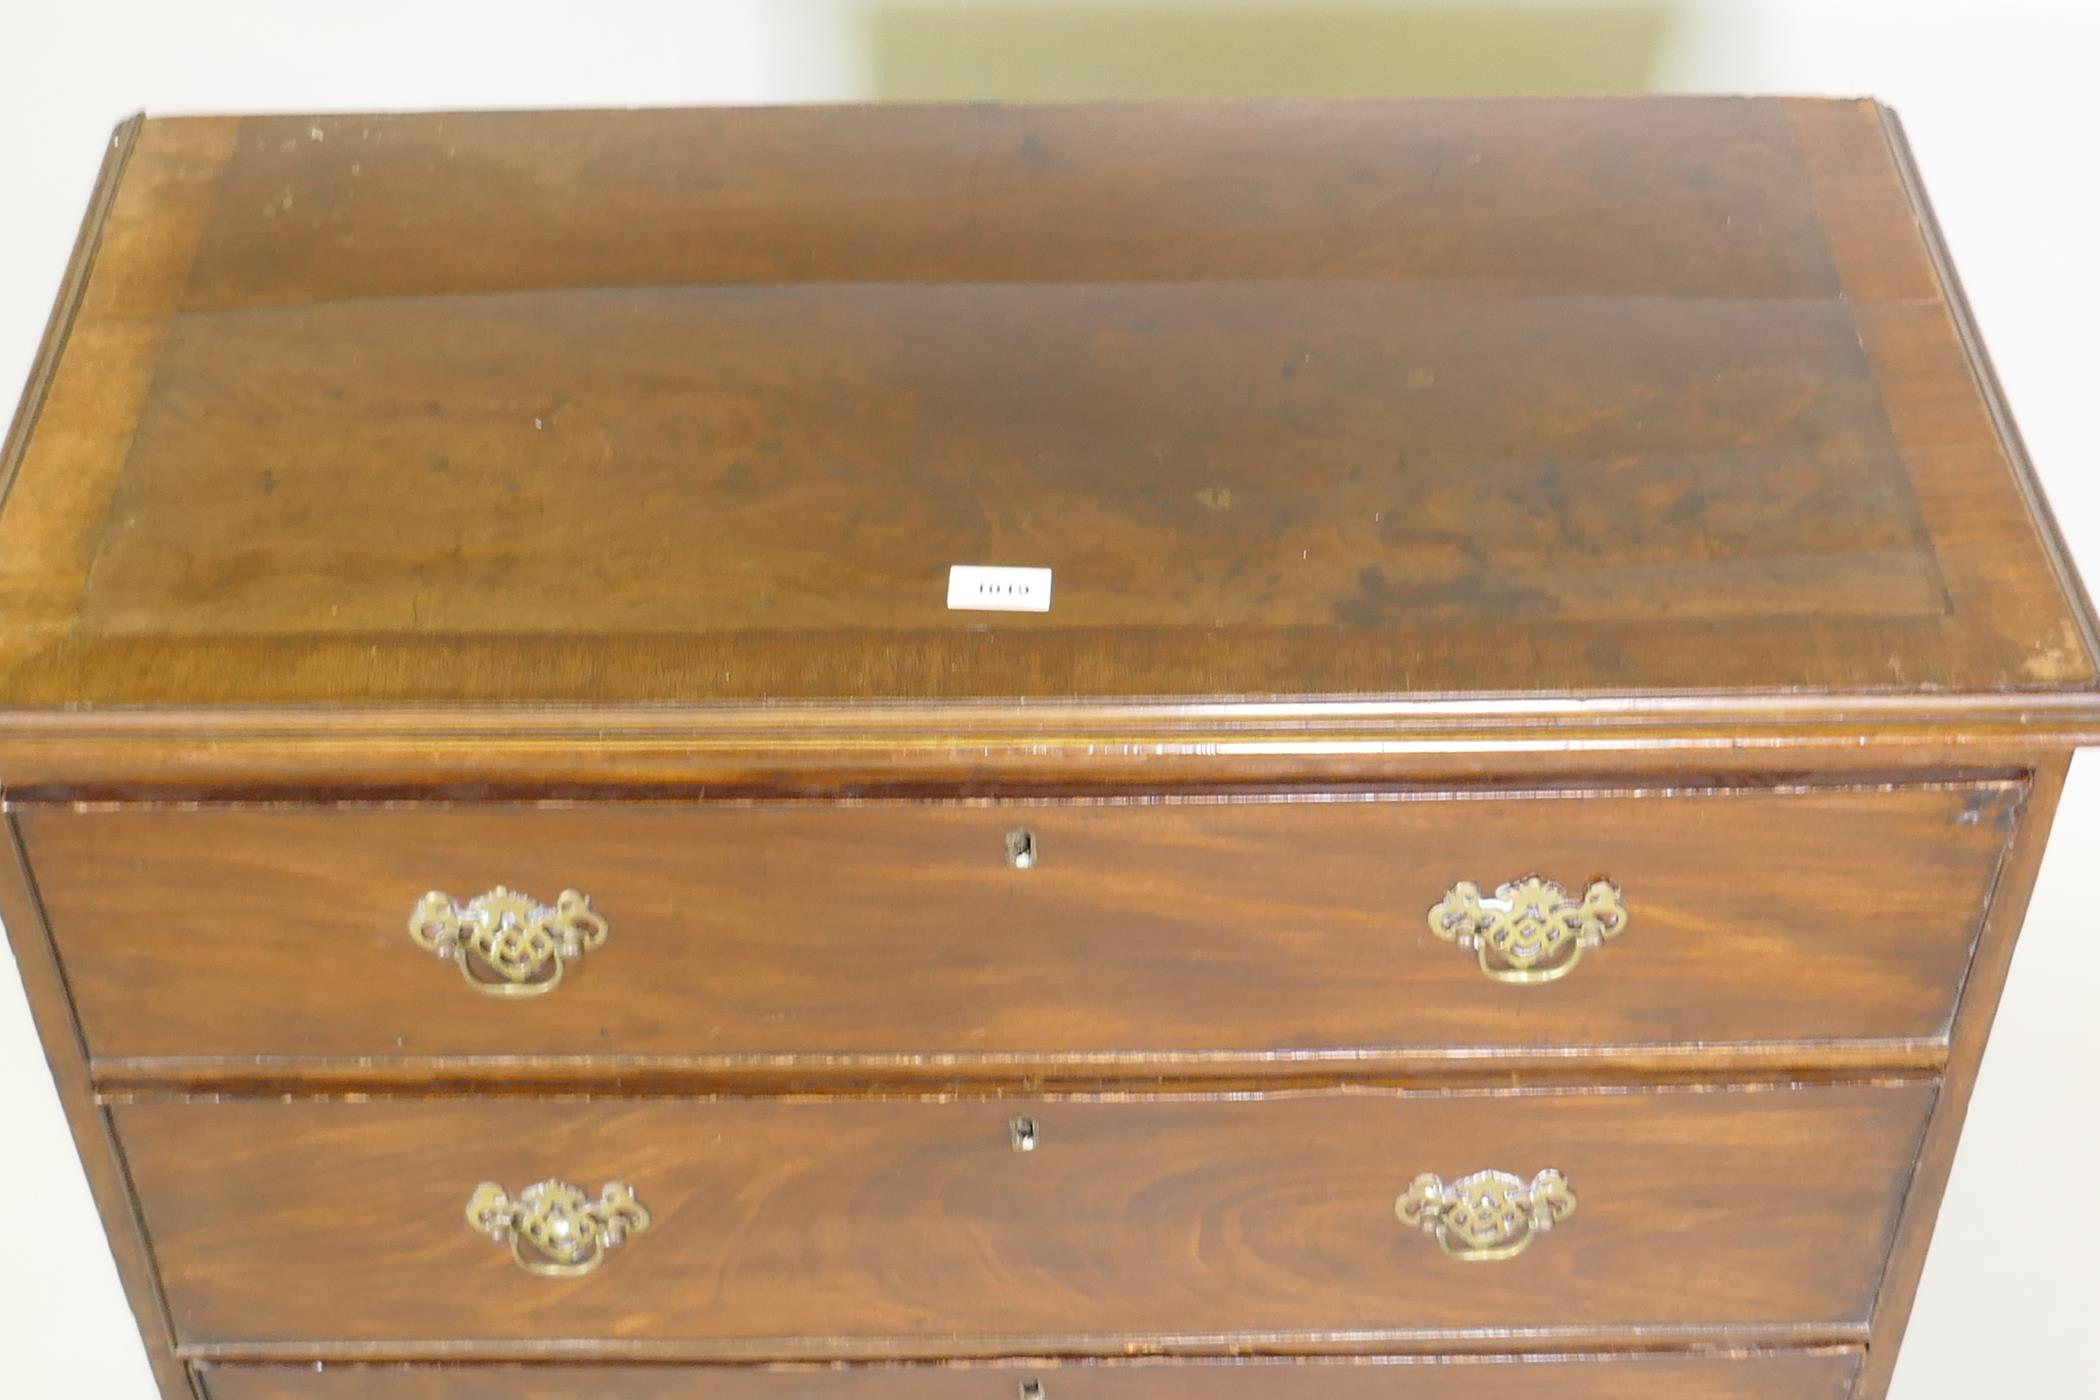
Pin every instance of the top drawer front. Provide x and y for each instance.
(1234, 931)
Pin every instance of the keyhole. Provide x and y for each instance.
(1032, 1389)
(1020, 849)
(1023, 1133)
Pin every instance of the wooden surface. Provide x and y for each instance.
(593, 478)
(1567, 398)
(914, 1227)
(873, 751)
(1972, 1028)
(1187, 935)
(101, 1157)
(1781, 1376)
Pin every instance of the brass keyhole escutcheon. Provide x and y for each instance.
(1032, 1389)
(1021, 849)
(1022, 1133)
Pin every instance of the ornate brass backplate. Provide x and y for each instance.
(1532, 930)
(1488, 1215)
(507, 944)
(552, 1228)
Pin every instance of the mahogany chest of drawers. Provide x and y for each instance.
(1075, 753)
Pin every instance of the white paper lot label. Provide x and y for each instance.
(998, 588)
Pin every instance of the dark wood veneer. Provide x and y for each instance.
(1436, 491)
(850, 1228)
(1824, 1375)
(1191, 935)
(1388, 399)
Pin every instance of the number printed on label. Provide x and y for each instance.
(998, 588)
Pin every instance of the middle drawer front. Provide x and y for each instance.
(1121, 937)
(913, 1227)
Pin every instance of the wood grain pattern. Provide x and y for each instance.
(50, 1005)
(868, 751)
(1187, 935)
(742, 513)
(1742, 1376)
(1979, 1006)
(1708, 424)
(785, 1228)
(1510, 486)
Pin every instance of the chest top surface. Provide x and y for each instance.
(1412, 400)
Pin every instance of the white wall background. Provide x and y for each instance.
(1997, 98)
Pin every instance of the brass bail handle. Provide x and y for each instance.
(508, 944)
(1488, 1216)
(1531, 930)
(553, 1229)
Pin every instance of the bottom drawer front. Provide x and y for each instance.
(1767, 1376)
(857, 1229)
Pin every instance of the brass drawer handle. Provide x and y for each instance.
(1532, 930)
(1488, 1215)
(552, 1228)
(506, 943)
